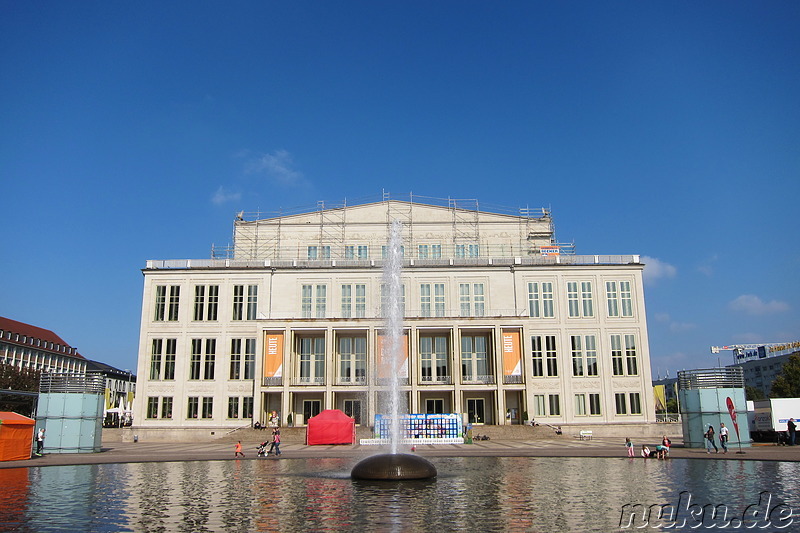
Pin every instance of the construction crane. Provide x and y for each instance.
(740, 350)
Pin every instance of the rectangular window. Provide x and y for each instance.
(161, 303)
(347, 301)
(166, 407)
(537, 355)
(199, 302)
(349, 252)
(555, 404)
(619, 299)
(312, 359)
(540, 299)
(432, 304)
(619, 400)
(210, 359)
(238, 302)
(348, 293)
(363, 251)
(436, 251)
(433, 357)
(236, 359)
(206, 302)
(474, 358)
(471, 299)
(538, 405)
(580, 303)
(584, 355)
(551, 355)
(385, 299)
(233, 407)
(635, 403)
(422, 251)
(169, 359)
(155, 360)
(594, 404)
(577, 355)
(319, 252)
(252, 302)
(580, 405)
(630, 355)
(313, 298)
(152, 407)
(249, 359)
(192, 407)
(425, 299)
(352, 359)
(617, 367)
(208, 407)
(438, 299)
(196, 358)
(247, 407)
(174, 300)
(590, 345)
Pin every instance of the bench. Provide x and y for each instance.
(585, 435)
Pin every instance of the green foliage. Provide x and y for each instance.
(13, 378)
(672, 405)
(787, 384)
(754, 393)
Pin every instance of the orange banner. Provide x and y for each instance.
(273, 355)
(383, 370)
(512, 354)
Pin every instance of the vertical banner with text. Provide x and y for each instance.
(273, 354)
(402, 370)
(512, 353)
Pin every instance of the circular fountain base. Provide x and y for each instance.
(394, 466)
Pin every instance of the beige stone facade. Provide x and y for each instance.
(500, 323)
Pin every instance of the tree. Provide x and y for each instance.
(754, 393)
(787, 384)
(13, 380)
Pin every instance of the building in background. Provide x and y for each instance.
(26, 346)
(120, 390)
(761, 363)
(502, 323)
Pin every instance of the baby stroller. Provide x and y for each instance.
(262, 449)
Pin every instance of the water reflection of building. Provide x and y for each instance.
(500, 322)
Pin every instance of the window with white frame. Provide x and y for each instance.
(354, 300)
(540, 299)
(247, 407)
(472, 299)
(539, 406)
(314, 299)
(233, 407)
(619, 299)
(192, 407)
(167, 309)
(594, 403)
(152, 407)
(385, 251)
(544, 355)
(318, 252)
(208, 407)
(554, 404)
(620, 404)
(584, 355)
(206, 302)
(580, 404)
(312, 359)
(475, 357)
(467, 250)
(249, 358)
(202, 359)
(624, 362)
(429, 251)
(635, 403)
(166, 407)
(579, 299)
(434, 351)
(252, 302)
(432, 300)
(352, 359)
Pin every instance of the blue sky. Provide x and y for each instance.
(135, 131)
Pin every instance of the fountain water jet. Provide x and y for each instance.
(394, 465)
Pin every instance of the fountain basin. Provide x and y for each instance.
(393, 466)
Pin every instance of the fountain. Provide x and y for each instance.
(394, 465)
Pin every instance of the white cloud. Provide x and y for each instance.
(707, 266)
(678, 327)
(655, 269)
(748, 338)
(277, 167)
(662, 317)
(753, 305)
(221, 196)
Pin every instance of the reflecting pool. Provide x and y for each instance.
(470, 493)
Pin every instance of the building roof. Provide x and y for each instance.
(31, 333)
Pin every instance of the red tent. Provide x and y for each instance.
(16, 436)
(331, 426)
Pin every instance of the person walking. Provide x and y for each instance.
(629, 446)
(710, 440)
(276, 442)
(238, 450)
(40, 441)
(723, 437)
(790, 425)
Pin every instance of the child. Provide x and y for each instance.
(238, 450)
(629, 445)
